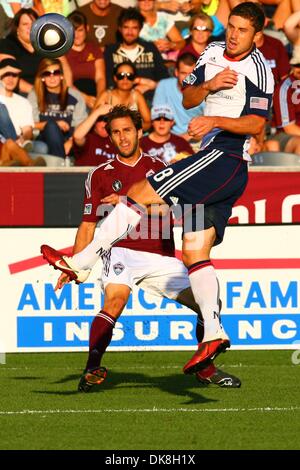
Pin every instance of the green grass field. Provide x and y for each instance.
(147, 403)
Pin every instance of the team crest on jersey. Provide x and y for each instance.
(118, 268)
(150, 173)
(190, 79)
(87, 209)
(117, 185)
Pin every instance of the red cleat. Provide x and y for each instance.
(65, 264)
(206, 351)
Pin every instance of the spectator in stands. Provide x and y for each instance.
(145, 55)
(57, 109)
(86, 61)
(92, 145)
(4, 23)
(11, 154)
(263, 143)
(218, 10)
(16, 118)
(101, 16)
(15, 6)
(63, 7)
(287, 110)
(292, 31)
(276, 55)
(17, 44)
(161, 142)
(124, 92)
(201, 30)
(169, 91)
(160, 29)
(180, 11)
(277, 12)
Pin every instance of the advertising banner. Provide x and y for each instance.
(270, 198)
(258, 268)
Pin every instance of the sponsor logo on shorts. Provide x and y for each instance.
(118, 268)
(117, 185)
(88, 209)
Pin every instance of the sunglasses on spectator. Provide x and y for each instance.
(128, 75)
(48, 73)
(201, 28)
(10, 74)
(162, 118)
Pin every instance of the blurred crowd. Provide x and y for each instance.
(135, 53)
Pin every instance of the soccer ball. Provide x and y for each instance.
(52, 35)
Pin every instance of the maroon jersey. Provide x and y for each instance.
(168, 149)
(276, 56)
(189, 48)
(286, 102)
(96, 150)
(82, 62)
(116, 176)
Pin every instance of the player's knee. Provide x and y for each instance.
(187, 258)
(115, 305)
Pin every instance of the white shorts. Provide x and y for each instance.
(164, 276)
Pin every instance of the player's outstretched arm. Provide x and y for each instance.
(250, 124)
(193, 95)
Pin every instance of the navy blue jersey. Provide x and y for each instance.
(251, 95)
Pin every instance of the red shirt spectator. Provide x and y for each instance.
(286, 102)
(167, 150)
(276, 55)
(96, 150)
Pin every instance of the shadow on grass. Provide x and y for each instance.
(175, 384)
(26, 378)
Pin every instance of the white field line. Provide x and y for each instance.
(142, 367)
(152, 410)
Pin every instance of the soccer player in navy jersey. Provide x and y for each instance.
(237, 85)
(147, 259)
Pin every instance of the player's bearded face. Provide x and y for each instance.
(124, 136)
(240, 35)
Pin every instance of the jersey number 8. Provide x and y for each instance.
(163, 174)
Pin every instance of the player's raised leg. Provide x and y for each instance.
(117, 225)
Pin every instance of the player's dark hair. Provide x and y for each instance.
(77, 19)
(121, 111)
(250, 11)
(131, 14)
(186, 58)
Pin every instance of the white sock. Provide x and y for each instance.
(117, 224)
(205, 287)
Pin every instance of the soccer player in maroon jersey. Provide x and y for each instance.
(147, 260)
